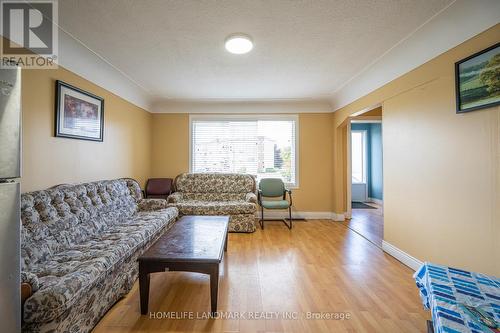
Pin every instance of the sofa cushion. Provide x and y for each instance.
(197, 207)
(213, 196)
(275, 204)
(151, 204)
(68, 274)
(214, 183)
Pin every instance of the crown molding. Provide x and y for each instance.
(75, 56)
(460, 21)
(242, 106)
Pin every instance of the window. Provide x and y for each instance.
(358, 156)
(262, 146)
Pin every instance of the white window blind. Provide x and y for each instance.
(265, 148)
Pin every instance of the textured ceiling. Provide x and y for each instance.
(303, 49)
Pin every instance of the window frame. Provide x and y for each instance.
(248, 117)
(364, 161)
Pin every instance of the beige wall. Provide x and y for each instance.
(141, 145)
(441, 170)
(170, 156)
(170, 150)
(48, 161)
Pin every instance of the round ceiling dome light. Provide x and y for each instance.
(239, 44)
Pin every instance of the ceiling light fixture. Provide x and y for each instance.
(239, 44)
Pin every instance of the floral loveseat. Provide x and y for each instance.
(217, 194)
(79, 246)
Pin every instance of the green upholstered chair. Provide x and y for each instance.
(274, 188)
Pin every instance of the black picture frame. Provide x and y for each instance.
(459, 93)
(87, 104)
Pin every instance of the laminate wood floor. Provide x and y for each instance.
(369, 223)
(319, 267)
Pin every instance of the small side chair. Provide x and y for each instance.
(158, 188)
(274, 188)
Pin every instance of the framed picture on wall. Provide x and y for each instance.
(477, 80)
(79, 114)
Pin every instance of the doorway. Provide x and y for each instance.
(365, 176)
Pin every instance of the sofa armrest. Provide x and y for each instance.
(151, 204)
(174, 197)
(251, 197)
(31, 279)
(29, 284)
(26, 292)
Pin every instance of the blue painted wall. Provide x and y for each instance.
(376, 167)
(374, 152)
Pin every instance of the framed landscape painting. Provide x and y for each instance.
(79, 114)
(477, 80)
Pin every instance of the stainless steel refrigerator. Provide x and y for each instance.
(10, 173)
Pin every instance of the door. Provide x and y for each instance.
(10, 118)
(10, 304)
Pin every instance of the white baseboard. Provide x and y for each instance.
(402, 256)
(338, 217)
(302, 215)
(377, 201)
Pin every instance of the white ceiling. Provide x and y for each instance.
(303, 49)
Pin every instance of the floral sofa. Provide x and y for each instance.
(79, 247)
(217, 194)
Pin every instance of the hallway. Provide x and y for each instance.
(369, 223)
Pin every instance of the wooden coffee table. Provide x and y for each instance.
(193, 244)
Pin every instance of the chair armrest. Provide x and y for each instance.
(151, 204)
(289, 195)
(251, 197)
(174, 197)
(259, 197)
